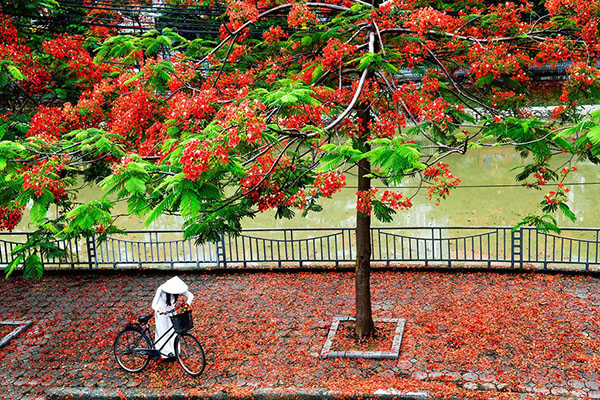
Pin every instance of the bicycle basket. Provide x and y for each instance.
(182, 322)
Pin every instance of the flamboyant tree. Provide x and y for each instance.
(291, 97)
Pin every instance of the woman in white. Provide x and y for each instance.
(164, 301)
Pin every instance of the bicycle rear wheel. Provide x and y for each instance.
(190, 354)
(125, 345)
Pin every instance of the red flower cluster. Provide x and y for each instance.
(242, 122)
(553, 51)
(425, 19)
(541, 180)
(329, 183)
(582, 78)
(436, 111)
(13, 50)
(297, 200)
(336, 52)
(506, 98)
(497, 61)
(300, 16)
(106, 20)
(257, 186)
(364, 201)
(558, 112)
(44, 175)
(585, 14)
(182, 306)
(132, 115)
(421, 103)
(238, 51)
(443, 181)
(121, 165)
(274, 35)
(558, 196)
(187, 112)
(10, 217)
(47, 124)
(365, 198)
(388, 125)
(247, 117)
(240, 12)
(396, 200)
(234, 85)
(195, 159)
(551, 198)
(69, 49)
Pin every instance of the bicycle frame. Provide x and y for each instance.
(154, 351)
(172, 332)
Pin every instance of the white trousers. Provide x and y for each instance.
(163, 324)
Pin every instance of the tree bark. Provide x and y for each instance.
(364, 319)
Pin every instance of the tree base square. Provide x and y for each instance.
(11, 329)
(392, 354)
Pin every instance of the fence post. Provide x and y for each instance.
(221, 258)
(516, 248)
(91, 251)
(432, 243)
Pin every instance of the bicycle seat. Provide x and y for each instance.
(144, 319)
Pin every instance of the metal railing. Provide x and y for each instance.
(499, 247)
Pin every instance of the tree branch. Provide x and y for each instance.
(361, 84)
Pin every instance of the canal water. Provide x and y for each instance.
(487, 196)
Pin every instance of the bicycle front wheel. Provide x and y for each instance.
(190, 354)
(127, 346)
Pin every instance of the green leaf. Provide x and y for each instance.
(567, 211)
(289, 99)
(317, 72)
(484, 80)
(236, 168)
(40, 207)
(15, 72)
(61, 93)
(135, 185)
(382, 212)
(189, 204)
(163, 206)
(12, 265)
(563, 144)
(33, 267)
(330, 162)
(545, 223)
(154, 47)
(133, 78)
(594, 135)
(306, 40)
(365, 60)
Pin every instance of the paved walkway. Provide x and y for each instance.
(472, 335)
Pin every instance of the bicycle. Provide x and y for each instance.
(134, 348)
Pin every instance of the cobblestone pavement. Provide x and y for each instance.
(473, 335)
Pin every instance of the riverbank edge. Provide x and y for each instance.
(82, 393)
(292, 269)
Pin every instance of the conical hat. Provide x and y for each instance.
(174, 286)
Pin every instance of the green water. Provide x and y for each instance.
(466, 206)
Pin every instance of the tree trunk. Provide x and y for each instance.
(364, 319)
